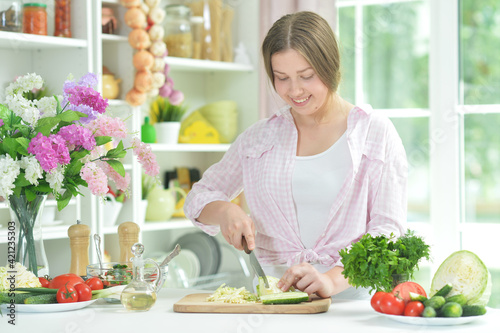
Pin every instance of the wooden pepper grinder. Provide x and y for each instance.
(128, 235)
(79, 238)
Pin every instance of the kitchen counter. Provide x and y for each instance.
(343, 316)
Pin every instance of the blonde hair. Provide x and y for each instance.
(311, 36)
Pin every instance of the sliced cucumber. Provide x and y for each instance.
(417, 297)
(291, 297)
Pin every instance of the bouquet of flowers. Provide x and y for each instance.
(57, 144)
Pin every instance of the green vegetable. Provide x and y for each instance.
(289, 297)
(41, 299)
(468, 275)
(417, 297)
(18, 297)
(429, 312)
(451, 309)
(38, 290)
(273, 286)
(460, 299)
(473, 310)
(435, 302)
(444, 291)
(371, 262)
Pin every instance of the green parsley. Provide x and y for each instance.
(372, 261)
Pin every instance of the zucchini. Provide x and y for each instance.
(451, 309)
(435, 302)
(417, 297)
(444, 291)
(460, 299)
(473, 310)
(41, 299)
(18, 297)
(289, 297)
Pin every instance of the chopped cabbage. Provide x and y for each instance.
(467, 274)
(225, 294)
(23, 277)
(273, 288)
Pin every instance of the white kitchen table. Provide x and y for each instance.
(343, 316)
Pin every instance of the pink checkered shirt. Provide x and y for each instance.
(261, 161)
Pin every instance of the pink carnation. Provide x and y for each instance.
(145, 157)
(49, 151)
(78, 136)
(121, 183)
(95, 178)
(108, 126)
(87, 96)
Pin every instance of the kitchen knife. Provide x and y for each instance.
(254, 262)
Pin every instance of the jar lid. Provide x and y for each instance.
(182, 10)
(35, 4)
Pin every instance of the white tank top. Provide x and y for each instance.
(316, 182)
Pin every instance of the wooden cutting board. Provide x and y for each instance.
(196, 303)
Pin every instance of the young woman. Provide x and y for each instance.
(317, 175)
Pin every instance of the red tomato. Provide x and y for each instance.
(84, 292)
(61, 280)
(67, 294)
(44, 281)
(95, 283)
(391, 304)
(403, 290)
(414, 309)
(375, 301)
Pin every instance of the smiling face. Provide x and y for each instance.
(297, 83)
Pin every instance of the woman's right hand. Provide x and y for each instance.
(233, 221)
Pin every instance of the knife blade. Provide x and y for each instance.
(254, 262)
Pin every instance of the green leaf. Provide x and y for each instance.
(79, 154)
(63, 200)
(117, 152)
(10, 145)
(70, 116)
(30, 194)
(21, 180)
(5, 113)
(73, 169)
(117, 166)
(45, 125)
(101, 140)
(58, 106)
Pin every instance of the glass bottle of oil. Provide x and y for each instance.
(138, 295)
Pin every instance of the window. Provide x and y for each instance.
(432, 67)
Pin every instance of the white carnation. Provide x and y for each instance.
(9, 170)
(33, 169)
(55, 179)
(47, 105)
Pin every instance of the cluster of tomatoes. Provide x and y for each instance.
(71, 287)
(398, 301)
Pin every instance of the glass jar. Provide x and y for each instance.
(178, 36)
(197, 31)
(11, 16)
(62, 27)
(35, 18)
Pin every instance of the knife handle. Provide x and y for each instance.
(245, 245)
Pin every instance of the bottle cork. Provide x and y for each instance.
(128, 235)
(79, 239)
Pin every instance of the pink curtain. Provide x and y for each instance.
(270, 11)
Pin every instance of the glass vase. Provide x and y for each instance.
(30, 251)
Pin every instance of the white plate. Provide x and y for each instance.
(56, 307)
(188, 261)
(437, 321)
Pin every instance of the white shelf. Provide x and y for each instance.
(188, 147)
(110, 2)
(21, 41)
(197, 65)
(114, 38)
(48, 233)
(175, 223)
(50, 202)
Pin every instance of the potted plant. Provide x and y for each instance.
(167, 118)
(379, 262)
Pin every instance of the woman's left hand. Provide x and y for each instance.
(306, 278)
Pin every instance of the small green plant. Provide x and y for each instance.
(148, 184)
(162, 110)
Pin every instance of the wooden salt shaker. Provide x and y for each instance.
(128, 235)
(79, 238)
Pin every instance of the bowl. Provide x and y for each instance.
(119, 273)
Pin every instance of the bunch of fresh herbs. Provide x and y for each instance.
(372, 261)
